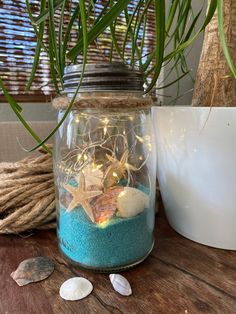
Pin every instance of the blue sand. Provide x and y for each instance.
(120, 242)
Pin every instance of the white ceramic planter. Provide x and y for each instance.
(196, 162)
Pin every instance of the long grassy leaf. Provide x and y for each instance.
(143, 39)
(32, 20)
(85, 46)
(44, 15)
(99, 27)
(69, 28)
(136, 30)
(129, 22)
(52, 34)
(9, 98)
(61, 55)
(171, 15)
(115, 42)
(143, 18)
(160, 40)
(103, 11)
(39, 44)
(184, 45)
(17, 109)
(223, 39)
(134, 47)
(51, 64)
(174, 38)
(186, 16)
(175, 81)
(85, 33)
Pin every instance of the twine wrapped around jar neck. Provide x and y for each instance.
(104, 86)
(62, 102)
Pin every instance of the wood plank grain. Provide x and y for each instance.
(180, 276)
(215, 266)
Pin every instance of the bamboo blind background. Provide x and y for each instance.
(18, 42)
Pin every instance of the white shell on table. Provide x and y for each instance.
(120, 284)
(131, 202)
(75, 288)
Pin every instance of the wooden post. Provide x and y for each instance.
(214, 86)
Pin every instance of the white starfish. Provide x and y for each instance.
(81, 197)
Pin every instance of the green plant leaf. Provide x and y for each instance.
(84, 25)
(9, 98)
(223, 39)
(61, 56)
(85, 46)
(44, 15)
(52, 33)
(141, 22)
(69, 28)
(51, 64)
(99, 27)
(171, 15)
(160, 40)
(175, 81)
(184, 45)
(39, 34)
(103, 11)
(129, 21)
(115, 43)
(17, 109)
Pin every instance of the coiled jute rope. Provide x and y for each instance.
(27, 196)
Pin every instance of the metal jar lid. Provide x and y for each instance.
(103, 77)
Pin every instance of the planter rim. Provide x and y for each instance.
(194, 108)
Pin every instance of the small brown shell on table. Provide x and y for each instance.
(105, 205)
(33, 270)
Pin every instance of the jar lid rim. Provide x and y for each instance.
(100, 76)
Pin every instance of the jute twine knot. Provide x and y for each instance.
(27, 196)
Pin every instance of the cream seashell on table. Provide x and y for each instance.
(120, 284)
(131, 202)
(75, 288)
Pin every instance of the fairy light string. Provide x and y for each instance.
(103, 138)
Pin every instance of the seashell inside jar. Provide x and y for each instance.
(105, 175)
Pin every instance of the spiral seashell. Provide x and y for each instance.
(120, 284)
(105, 205)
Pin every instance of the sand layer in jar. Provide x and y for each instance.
(121, 241)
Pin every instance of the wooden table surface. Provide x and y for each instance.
(179, 276)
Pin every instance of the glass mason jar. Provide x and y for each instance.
(105, 169)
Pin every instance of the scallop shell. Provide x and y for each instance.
(93, 176)
(75, 288)
(131, 202)
(33, 270)
(120, 284)
(105, 205)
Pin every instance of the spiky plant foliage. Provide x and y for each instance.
(176, 27)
